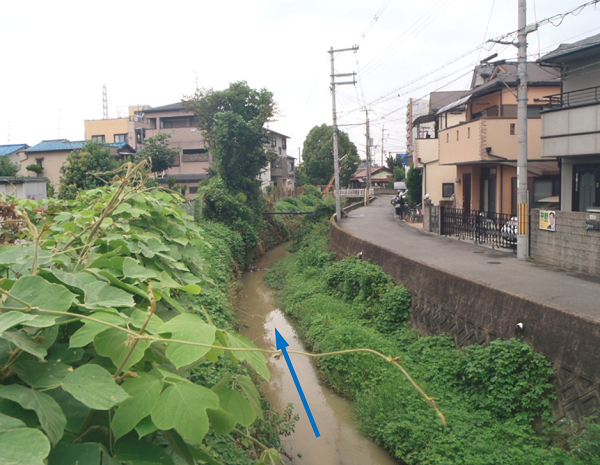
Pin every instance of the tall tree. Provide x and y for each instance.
(233, 122)
(317, 156)
(84, 169)
(157, 150)
(414, 184)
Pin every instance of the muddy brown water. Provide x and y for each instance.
(339, 443)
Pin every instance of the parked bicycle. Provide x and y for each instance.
(414, 214)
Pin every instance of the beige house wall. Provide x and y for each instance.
(434, 176)
(468, 142)
(107, 128)
(53, 161)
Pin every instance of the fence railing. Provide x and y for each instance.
(495, 229)
(352, 192)
(574, 98)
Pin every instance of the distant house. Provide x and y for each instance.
(129, 130)
(381, 176)
(13, 152)
(50, 155)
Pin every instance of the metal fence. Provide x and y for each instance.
(494, 229)
(580, 97)
(434, 218)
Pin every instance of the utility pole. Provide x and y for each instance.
(382, 130)
(368, 187)
(522, 194)
(336, 162)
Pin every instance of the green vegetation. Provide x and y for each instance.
(491, 396)
(34, 168)
(317, 156)
(157, 151)
(7, 167)
(87, 168)
(414, 185)
(93, 305)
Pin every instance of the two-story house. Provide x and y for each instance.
(445, 109)
(483, 148)
(571, 125)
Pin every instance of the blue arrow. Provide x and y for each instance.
(282, 344)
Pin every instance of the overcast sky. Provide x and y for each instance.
(57, 55)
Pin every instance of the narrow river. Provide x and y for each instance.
(340, 443)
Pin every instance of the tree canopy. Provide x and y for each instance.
(414, 184)
(157, 150)
(232, 121)
(83, 169)
(317, 156)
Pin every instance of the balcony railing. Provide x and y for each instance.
(575, 98)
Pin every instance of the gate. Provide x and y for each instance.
(494, 229)
(434, 219)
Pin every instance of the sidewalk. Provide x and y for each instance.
(575, 292)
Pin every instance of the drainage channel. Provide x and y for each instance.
(340, 443)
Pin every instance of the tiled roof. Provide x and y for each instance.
(11, 148)
(185, 177)
(56, 145)
(568, 49)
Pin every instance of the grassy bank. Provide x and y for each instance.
(491, 396)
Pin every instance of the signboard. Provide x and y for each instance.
(548, 220)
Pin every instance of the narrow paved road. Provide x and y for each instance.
(577, 292)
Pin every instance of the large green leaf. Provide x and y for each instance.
(38, 292)
(41, 375)
(270, 457)
(178, 445)
(86, 334)
(139, 317)
(189, 328)
(235, 403)
(10, 319)
(23, 446)
(183, 407)
(76, 280)
(7, 423)
(145, 427)
(25, 343)
(50, 415)
(75, 412)
(222, 421)
(251, 393)
(116, 344)
(76, 454)
(101, 295)
(93, 386)
(256, 359)
(136, 451)
(144, 392)
(132, 269)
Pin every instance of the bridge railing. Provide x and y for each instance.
(352, 192)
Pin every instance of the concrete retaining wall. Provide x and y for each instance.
(475, 312)
(571, 246)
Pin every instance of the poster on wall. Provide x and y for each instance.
(548, 220)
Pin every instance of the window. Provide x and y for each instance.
(512, 129)
(177, 122)
(291, 166)
(447, 189)
(274, 141)
(99, 139)
(193, 190)
(152, 123)
(39, 162)
(284, 142)
(140, 135)
(279, 150)
(121, 138)
(195, 155)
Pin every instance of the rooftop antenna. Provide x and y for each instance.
(104, 103)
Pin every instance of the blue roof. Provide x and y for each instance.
(55, 145)
(11, 148)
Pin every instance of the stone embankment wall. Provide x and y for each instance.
(571, 246)
(474, 312)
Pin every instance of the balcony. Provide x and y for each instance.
(576, 98)
(490, 139)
